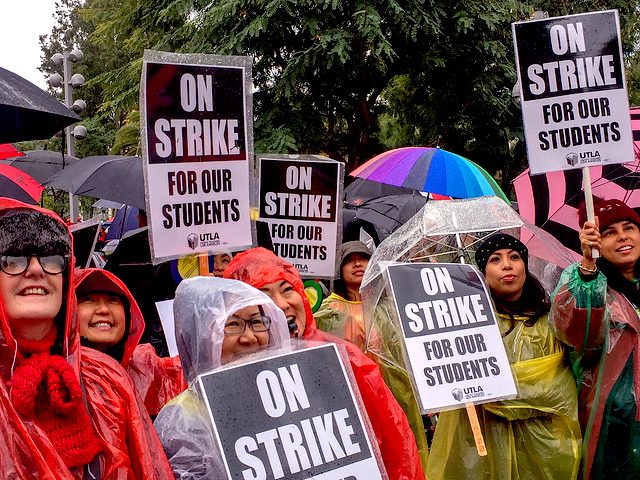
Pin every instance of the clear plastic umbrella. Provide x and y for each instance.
(448, 231)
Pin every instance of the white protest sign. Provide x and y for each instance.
(300, 200)
(165, 312)
(453, 343)
(197, 150)
(290, 416)
(573, 93)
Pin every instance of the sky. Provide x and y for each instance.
(22, 22)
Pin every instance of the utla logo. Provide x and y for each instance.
(572, 159)
(192, 241)
(457, 394)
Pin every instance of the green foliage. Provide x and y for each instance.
(127, 138)
(346, 78)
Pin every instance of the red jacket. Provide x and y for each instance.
(130, 446)
(156, 379)
(259, 267)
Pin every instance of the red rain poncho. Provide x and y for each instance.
(129, 444)
(156, 379)
(259, 267)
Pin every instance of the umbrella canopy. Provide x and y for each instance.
(18, 185)
(110, 177)
(430, 170)
(8, 150)
(361, 190)
(552, 201)
(126, 219)
(388, 213)
(450, 231)
(28, 112)
(40, 164)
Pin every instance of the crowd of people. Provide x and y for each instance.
(82, 397)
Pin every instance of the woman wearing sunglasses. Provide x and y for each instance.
(216, 321)
(67, 412)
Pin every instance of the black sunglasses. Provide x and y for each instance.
(17, 265)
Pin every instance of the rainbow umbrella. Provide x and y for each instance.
(431, 170)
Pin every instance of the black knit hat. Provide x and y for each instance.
(499, 241)
(28, 232)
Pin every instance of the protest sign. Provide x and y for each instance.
(300, 200)
(573, 92)
(452, 339)
(197, 150)
(85, 234)
(165, 312)
(290, 416)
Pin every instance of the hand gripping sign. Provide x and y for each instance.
(452, 340)
(293, 416)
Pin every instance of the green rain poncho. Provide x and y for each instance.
(535, 436)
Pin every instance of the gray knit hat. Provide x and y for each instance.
(29, 232)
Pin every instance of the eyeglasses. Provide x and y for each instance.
(51, 264)
(237, 325)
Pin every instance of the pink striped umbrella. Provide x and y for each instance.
(552, 200)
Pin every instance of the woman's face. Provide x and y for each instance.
(246, 342)
(353, 269)
(101, 317)
(289, 301)
(620, 244)
(505, 274)
(31, 300)
(220, 262)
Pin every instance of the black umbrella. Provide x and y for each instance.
(41, 164)
(388, 213)
(361, 190)
(110, 177)
(28, 112)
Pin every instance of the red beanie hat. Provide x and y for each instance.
(611, 211)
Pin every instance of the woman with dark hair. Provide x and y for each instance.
(535, 436)
(67, 411)
(595, 311)
(111, 321)
(341, 312)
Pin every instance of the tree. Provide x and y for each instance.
(347, 78)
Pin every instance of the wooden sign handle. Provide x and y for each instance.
(203, 263)
(475, 428)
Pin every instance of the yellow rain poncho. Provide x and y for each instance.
(535, 436)
(345, 319)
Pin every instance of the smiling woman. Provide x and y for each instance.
(595, 311)
(536, 435)
(56, 425)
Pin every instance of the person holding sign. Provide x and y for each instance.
(341, 312)
(111, 322)
(262, 269)
(595, 311)
(67, 411)
(216, 321)
(535, 436)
